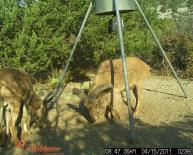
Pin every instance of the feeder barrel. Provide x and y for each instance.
(106, 7)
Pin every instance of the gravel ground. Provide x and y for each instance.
(165, 119)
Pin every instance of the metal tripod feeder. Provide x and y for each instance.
(106, 7)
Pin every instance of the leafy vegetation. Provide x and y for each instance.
(38, 37)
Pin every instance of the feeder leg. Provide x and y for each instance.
(162, 51)
(56, 94)
(131, 120)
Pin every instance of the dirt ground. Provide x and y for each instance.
(165, 119)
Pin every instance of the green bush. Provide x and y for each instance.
(177, 42)
(38, 38)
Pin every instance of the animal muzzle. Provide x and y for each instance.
(92, 118)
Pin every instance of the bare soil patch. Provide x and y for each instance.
(165, 119)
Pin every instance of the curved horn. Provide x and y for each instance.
(100, 89)
(79, 93)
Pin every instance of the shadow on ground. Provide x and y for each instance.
(93, 139)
